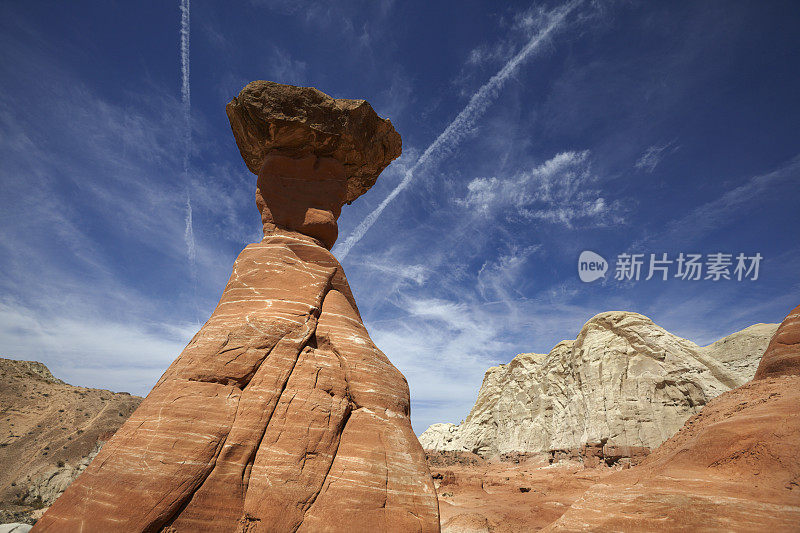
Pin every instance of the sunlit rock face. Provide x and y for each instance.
(623, 387)
(280, 414)
(735, 466)
(782, 357)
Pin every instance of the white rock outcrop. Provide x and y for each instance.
(15, 528)
(45, 488)
(624, 382)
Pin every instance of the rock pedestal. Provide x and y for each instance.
(280, 414)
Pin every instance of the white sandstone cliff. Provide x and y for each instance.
(624, 382)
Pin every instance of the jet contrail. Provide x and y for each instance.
(461, 125)
(188, 236)
(186, 102)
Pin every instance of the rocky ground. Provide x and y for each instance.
(517, 494)
(734, 466)
(49, 431)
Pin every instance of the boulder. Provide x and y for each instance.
(268, 118)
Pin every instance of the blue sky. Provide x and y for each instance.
(633, 127)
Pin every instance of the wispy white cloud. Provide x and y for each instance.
(500, 276)
(414, 273)
(464, 122)
(94, 351)
(186, 105)
(562, 190)
(283, 68)
(516, 26)
(94, 273)
(651, 157)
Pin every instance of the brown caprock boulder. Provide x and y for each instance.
(280, 414)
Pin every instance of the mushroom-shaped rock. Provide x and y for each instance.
(311, 153)
(280, 414)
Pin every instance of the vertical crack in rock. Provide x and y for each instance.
(241, 385)
(339, 430)
(308, 335)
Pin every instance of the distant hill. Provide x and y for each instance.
(49, 431)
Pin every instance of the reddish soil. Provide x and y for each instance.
(507, 496)
(733, 467)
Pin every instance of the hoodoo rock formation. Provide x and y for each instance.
(280, 414)
(623, 387)
(733, 467)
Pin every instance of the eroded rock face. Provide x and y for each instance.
(735, 466)
(303, 194)
(623, 387)
(280, 414)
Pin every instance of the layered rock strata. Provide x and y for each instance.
(623, 387)
(280, 414)
(782, 357)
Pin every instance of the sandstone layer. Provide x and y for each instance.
(733, 467)
(623, 387)
(49, 431)
(782, 357)
(280, 414)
